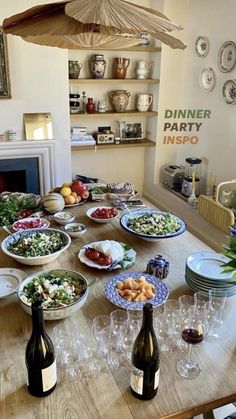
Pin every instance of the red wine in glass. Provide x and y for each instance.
(192, 336)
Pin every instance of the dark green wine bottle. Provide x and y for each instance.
(40, 356)
(144, 377)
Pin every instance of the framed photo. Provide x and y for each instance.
(131, 130)
(5, 92)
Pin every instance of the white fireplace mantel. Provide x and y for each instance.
(41, 149)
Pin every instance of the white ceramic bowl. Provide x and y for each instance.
(60, 312)
(125, 219)
(75, 229)
(30, 223)
(63, 217)
(101, 220)
(36, 260)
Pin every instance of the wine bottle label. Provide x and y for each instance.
(156, 381)
(136, 380)
(49, 376)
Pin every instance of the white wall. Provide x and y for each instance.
(38, 77)
(180, 89)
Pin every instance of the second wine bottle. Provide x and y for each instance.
(144, 377)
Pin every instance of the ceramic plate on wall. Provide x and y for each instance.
(229, 92)
(202, 46)
(207, 79)
(227, 56)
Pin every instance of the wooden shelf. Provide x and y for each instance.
(138, 48)
(113, 81)
(133, 112)
(124, 144)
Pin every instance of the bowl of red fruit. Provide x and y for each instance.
(30, 222)
(102, 214)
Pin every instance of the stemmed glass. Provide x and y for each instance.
(194, 329)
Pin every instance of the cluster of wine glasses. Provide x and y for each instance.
(85, 352)
(186, 321)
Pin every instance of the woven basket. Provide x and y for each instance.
(214, 212)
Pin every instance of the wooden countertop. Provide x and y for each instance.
(109, 396)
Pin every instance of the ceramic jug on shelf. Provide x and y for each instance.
(102, 106)
(98, 66)
(74, 68)
(120, 67)
(119, 100)
(142, 69)
(144, 101)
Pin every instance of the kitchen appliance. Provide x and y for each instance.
(104, 137)
(192, 172)
(172, 176)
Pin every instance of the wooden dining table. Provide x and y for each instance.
(108, 395)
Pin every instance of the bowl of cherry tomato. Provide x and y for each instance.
(30, 222)
(102, 214)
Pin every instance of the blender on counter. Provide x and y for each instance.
(192, 174)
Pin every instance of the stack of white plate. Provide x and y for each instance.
(204, 272)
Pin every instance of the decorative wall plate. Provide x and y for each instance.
(229, 92)
(227, 56)
(207, 79)
(202, 46)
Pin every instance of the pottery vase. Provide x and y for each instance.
(119, 100)
(98, 66)
(120, 67)
(102, 106)
(90, 107)
(142, 69)
(74, 68)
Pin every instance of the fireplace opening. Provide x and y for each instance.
(19, 175)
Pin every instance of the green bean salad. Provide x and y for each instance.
(54, 290)
(154, 224)
(37, 244)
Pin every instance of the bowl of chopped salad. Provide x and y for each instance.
(36, 246)
(152, 224)
(62, 292)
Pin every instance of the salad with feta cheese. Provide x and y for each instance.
(54, 290)
(38, 244)
(159, 224)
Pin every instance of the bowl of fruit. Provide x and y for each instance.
(74, 193)
(30, 222)
(102, 214)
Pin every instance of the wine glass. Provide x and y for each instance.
(194, 329)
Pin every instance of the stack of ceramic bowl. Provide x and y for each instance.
(204, 271)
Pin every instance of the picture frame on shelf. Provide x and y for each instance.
(5, 91)
(131, 131)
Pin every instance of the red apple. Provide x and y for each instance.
(84, 194)
(77, 186)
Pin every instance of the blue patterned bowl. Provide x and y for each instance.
(161, 291)
(125, 219)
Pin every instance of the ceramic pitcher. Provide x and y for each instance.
(142, 69)
(119, 100)
(120, 67)
(144, 101)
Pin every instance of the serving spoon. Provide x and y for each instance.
(7, 230)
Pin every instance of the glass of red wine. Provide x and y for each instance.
(194, 330)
